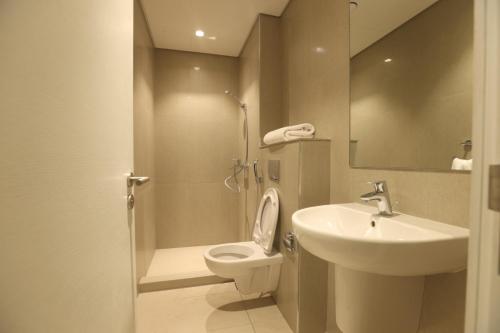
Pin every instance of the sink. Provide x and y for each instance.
(355, 237)
(380, 262)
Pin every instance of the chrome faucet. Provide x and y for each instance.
(380, 194)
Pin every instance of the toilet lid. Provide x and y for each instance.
(266, 220)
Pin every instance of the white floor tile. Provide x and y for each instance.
(174, 261)
(207, 309)
(242, 329)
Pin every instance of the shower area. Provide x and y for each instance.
(199, 121)
(196, 123)
(196, 137)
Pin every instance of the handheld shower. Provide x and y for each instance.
(238, 167)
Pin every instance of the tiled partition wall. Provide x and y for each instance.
(260, 87)
(304, 182)
(249, 88)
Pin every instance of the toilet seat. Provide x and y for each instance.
(237, 259)
(266, 220)
(254, 265)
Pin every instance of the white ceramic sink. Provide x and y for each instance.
(400, 245)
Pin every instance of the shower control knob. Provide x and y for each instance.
(130, 201)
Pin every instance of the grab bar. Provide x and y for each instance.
(258, 178)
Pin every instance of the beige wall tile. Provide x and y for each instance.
(272, 115)
(260, 88)
(249, 90)
(313, 293)
(444, 299)
(314, 190)
(190, 214)
(196, 129)
(314, 173)
(443, 197)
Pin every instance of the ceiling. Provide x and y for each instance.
(173, 23)
(372, 20)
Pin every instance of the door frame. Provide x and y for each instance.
(483, 280)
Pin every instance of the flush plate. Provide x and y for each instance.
(273, 169)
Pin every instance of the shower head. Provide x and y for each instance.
(229, 93)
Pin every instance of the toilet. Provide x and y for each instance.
(255, 265)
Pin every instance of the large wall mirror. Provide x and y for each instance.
(411, 84)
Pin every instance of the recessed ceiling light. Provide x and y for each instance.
(199, 33)
(212, 38)
(388, 60)
(196, 68)
(320, 49)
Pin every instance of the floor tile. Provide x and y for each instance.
(240, 329)
(208, 309)
(275, 326)
(178, 260)
(265, 316)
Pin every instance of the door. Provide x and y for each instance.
(483, 288)
(65, 150)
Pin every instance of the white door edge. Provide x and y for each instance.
(483, 280)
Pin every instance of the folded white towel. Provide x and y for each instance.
(461, 164)
(289, 133)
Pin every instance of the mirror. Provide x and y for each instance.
(411, 84)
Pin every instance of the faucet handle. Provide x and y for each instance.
(380, 186)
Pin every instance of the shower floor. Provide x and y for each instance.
(178, 268)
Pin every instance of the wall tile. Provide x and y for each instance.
(196, 135)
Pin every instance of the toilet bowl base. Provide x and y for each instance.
(260, 280)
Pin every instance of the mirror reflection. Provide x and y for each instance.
(411, 84)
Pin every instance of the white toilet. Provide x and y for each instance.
(254, 265)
